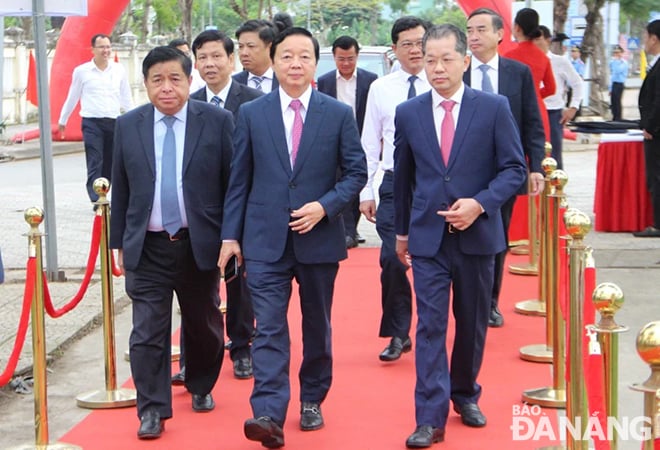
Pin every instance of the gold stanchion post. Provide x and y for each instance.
(34, 216)
(608, 299)
(648, 348)
(111, 396)
(555, 395)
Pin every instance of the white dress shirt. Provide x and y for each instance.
(179, 127)
(288, 114)
(476, 76)
(266, 84)
(347, 89)
(385, 94)
(102, 93)
(222, 95)
(565, 76)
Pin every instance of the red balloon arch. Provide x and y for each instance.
(73, 48)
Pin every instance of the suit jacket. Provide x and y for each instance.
(649, 102)
(516, 84)
(327, 84)
(242, 77)
(237, 95)
(263, 189)
(486, 163)
(206, 159)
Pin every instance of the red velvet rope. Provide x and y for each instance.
(91, 264)
(31, 277)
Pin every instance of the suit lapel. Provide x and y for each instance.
(233, 98)
(311, 127)
(468, 107)
(333, 86)
(145, 127)
(503, 78)
(425, 117)
(194, 127)
(272, 120)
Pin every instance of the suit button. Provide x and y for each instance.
(292, 185)
(443, 206)
(447, 178)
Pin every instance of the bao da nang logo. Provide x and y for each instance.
(530, 423)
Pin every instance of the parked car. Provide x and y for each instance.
(377, 59)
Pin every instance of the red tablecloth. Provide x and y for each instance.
(621, 201)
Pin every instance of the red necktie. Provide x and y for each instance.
(296, 131)
(447, 130)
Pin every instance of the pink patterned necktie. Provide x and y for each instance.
(447, 130)
(296, 131)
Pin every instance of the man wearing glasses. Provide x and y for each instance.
(101, 85)
(385, 94)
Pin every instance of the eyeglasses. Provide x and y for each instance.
(408, 45)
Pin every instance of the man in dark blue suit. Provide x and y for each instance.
(255, 38)
(349, 84)
(170, 172)
(214, 58)
(297, 163)
(492, 73)
(457, 159)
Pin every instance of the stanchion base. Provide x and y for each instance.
(546, 397)
(539, 353)
(176, 354)
(520, 250)
(532, 307)
(524, 269)
(55, 446)
(119, 398)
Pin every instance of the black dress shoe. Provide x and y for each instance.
(425, 436)
(243, 368)
(648, 232)
(471, 415)
(397, 346)
(179, 379)
(351, 242)
(360, 239)
(203, 403)
(151, 425)
(310, 416)
(264, 430)
(495, 319)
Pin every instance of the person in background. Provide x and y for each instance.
(184, 46)
(457, 160)
(618, 75)
(378, 137)
(349, 84)
(576, 61)
(101, 85)
(649, 111)
(566, 77)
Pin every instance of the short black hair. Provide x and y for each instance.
(99, 36)
(528, 21)
(407, 23)
(545, 32)
(443, 31)
(293, 32)
(213, 36)
(345, 43)
(178, 42)
(164, 54)
(496, 19)
(266, 30)
(653, 28)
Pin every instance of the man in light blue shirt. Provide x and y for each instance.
(618, 75)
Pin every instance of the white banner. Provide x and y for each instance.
(51, 7)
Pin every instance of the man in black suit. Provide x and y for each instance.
(349, 84)
(649, 112)
(512, 79)
(214, 58)
(255, 37)
(166, 222)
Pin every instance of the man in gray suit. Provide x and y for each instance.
(170, 172)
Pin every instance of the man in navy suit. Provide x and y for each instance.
(349, 84)
(170, 172)
(297, 163)
(457, 159)
(255, 38)
(512, 79)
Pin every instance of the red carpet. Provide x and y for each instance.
(370, 405)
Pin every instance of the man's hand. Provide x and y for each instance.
(536, 183)
(229, 249)
(462, 213)
(368, 208)
(567, 115)
(120, 261)
(402, 252)
(648, 136)
(306, 217)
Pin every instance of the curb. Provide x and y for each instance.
(18, 152)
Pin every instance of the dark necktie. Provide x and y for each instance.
(447, 130)
(216, 101)
(411, 90)
(486, 84)
(257, 83)
(296, 131)
(169, 198)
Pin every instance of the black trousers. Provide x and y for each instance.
(615, 101)
(652, 159)
(507, 212)
(166, 267)
(556, 135)
(98, 135)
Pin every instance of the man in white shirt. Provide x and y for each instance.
(385, 94)
(102, 87)
(566, 77)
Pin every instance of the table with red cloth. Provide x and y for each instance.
(621, 201)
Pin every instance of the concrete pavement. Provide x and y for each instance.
(74, 341)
